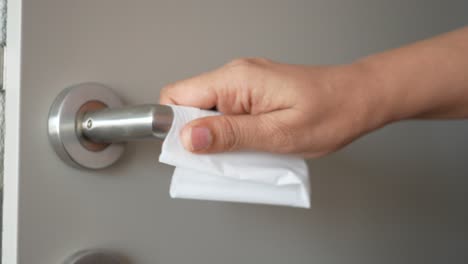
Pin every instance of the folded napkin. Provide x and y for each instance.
(247, 177)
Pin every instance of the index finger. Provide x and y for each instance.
(198, 92)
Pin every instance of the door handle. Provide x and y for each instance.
(90, 256)
(88, 125)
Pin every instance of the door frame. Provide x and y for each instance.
(12, 86)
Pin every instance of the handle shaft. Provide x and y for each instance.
(113, 125)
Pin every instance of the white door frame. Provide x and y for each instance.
(12, 85)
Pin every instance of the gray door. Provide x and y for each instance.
(396, 196)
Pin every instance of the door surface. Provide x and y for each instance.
(396, 196)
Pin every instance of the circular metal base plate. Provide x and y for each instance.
(65, 125)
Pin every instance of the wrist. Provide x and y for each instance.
(374, 101)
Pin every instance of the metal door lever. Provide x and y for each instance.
(88, 126)
(114, 125)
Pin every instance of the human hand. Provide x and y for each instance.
(280, 108)
(313, 110)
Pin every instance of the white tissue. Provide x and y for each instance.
(248, 177)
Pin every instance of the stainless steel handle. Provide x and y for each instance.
(127, 123)
(89, 126)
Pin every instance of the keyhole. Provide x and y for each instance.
(89, 124)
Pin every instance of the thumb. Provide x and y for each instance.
(228, 133)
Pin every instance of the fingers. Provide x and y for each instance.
(197, 92)
(228, 88)
(238, 90)
(235, 132)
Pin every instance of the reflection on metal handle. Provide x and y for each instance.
(127, 123)
(88, 126)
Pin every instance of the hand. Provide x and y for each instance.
(312, 111)
(281, 108)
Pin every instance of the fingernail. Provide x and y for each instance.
(197, 138)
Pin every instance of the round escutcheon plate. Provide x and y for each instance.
(65, 123)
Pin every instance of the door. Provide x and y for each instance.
(396, 196)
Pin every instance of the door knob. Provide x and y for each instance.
(88, 125)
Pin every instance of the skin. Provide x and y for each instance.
(315, 110)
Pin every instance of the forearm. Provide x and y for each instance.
(428, 79)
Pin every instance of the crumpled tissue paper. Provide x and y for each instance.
(246, 177)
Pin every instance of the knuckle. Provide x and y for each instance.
(249, 62)
(284, 142)
(230, 136)
(261, 61)
(241, 68)
(246, 68)
(240, 62)
(281, 137)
